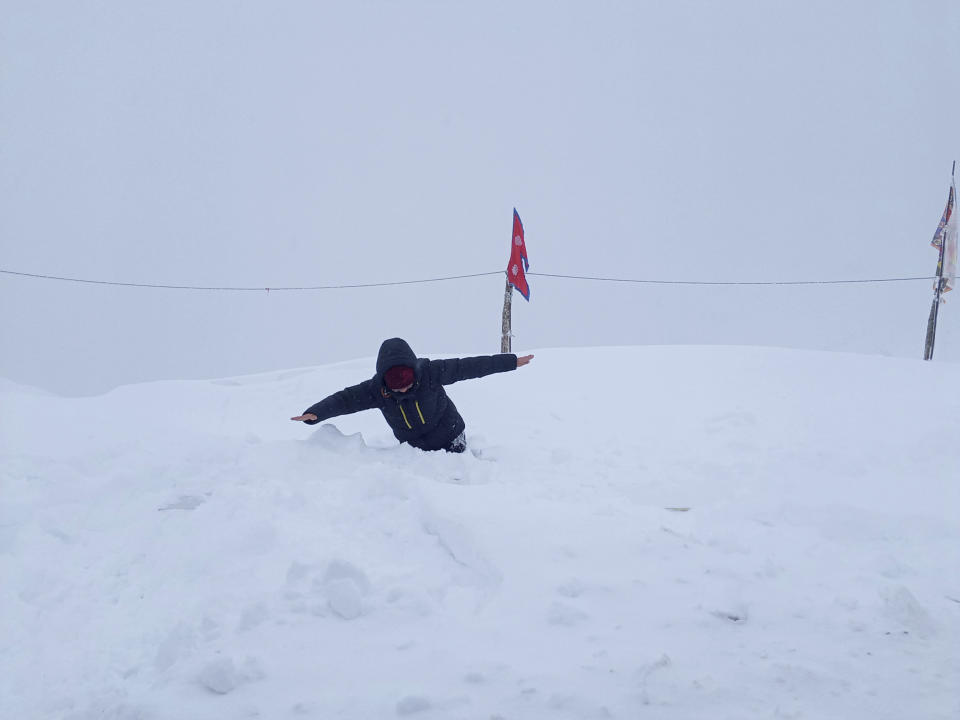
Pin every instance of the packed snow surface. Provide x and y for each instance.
(665, 532)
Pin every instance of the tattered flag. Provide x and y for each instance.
(946, 238)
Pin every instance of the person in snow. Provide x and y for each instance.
(409, 392)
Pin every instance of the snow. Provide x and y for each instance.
(669, 532)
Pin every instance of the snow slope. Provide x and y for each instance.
(182, 550)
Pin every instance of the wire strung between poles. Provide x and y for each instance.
(472, 275)
(248, 289)
(733, 282)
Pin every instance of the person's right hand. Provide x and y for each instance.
(308, 416)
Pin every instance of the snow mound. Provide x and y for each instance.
(683, 532)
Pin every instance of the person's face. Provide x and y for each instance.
(404, 389)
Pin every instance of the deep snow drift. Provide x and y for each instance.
(647, 532)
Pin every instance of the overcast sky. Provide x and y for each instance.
(308, 143)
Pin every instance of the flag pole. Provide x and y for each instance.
(505, 334)
(934, 310)
(938, 291)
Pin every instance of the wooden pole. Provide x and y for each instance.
(932, 320)
(505, 334)
(935, 308)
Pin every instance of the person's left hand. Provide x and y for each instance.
(523, 360)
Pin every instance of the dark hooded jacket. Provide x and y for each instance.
(423, 416)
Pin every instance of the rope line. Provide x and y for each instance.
(472, 275)
(735, 282)
(246, 289)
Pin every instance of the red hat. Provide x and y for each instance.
(397, 377)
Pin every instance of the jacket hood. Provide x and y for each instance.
(395, 351)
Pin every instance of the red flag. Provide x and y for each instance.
(516, 270)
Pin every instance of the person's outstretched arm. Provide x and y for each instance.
(454, 370)
(344, 402)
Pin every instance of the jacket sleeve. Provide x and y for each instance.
(453, 370)
(344, 402)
